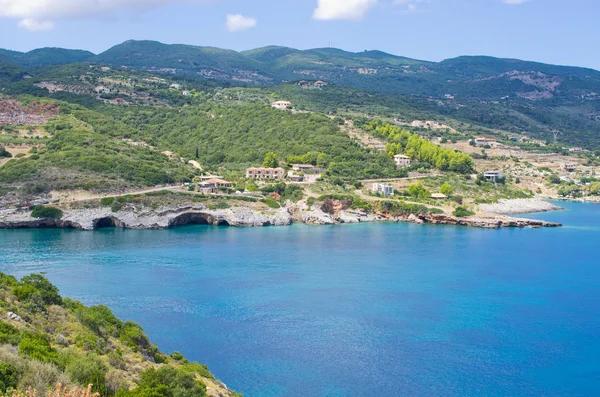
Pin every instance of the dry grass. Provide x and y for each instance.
(59, 391)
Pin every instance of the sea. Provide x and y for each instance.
(378, 309)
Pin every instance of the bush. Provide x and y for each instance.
(9, 334)
(271, 203)
(417, 190)
(4, 152)
(461, 212)
(40, 211)
(133, 336)
(38, 348)
(447, 189)
(167, 382)
(106, 201)
(88, 370)
(9, 377)
(47, 290)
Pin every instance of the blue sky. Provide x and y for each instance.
(552, 31)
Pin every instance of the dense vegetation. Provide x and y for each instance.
(59, 340)
(87, 150)
(420, 149)
(242, 135)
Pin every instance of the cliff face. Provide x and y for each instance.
(169, 217)
(162, 218)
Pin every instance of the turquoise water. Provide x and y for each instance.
(356, 310)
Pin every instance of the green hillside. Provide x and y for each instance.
(46, 340)
(45, 57)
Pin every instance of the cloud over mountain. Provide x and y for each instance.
(343, 9)
(238, 23)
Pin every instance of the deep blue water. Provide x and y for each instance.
(356, 310)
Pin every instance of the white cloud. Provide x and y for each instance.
(238, 23)
(36, 26)
(343, 9)
(42, 14)
(514, 2)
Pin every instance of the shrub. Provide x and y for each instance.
(38, 348)
(88, 370)
(9, 377)
(4, 152)
(133, 336)
(99, 319)
(106, 201)
(47, 290)
(417, 190)
(167, 382)
(447, 189)
(462, 212)
(271, 203)
(40, 211)
(9, 334)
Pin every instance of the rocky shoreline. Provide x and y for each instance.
(518, 206)
(169, 217)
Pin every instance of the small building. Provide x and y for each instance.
(439, 196)
(493, 176)
(485, 141)
(281, 105)
(304, 168)
(213, 185)
(175, 86)
(576, 150)
(265, 173)
(385, 189)
(402, 160)
(293, 177)
(220, 183)
(102, 90)
(105, 68)
(186, 93)
(568, 167)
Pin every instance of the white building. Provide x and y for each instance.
(384, 189)
(402, 160)
(493, 176)
(281, 105)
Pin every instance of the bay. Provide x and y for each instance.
(351, 310)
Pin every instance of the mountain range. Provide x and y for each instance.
(539, 96)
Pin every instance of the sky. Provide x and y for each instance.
(551, 31)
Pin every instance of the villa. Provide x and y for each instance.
(384, 189)
(281, 105)
(402, 160)
(265, 173)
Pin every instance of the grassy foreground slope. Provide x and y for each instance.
(46, 340)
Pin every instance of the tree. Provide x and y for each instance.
(197, 154)
(447, 189)
(4, 152)
(48, 291)
(417, 190)
(271, 160)
(9, 377)
(88, 370)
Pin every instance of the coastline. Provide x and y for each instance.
(244, 216)
(519, 206)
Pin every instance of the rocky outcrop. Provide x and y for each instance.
(488, 222)
(518, 206)
(162, 218)
(169, 217)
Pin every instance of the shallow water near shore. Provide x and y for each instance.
(352, 310)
